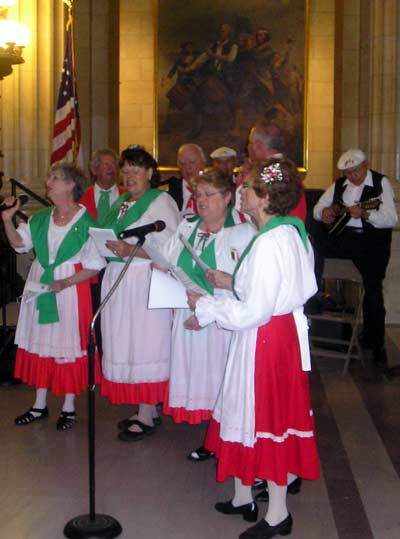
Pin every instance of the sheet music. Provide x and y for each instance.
(100, 236)
(32, 290)
(166, 292)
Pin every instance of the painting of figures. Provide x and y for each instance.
(222, 66)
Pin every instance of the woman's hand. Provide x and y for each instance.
(59, 285)
(83, 275)
(120, 248)
(193, 298)
(219, 279)
(192, 323)
(7, 215)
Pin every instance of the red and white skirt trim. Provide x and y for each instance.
(284, 440)
(182, 415)
(141, 393)
(61, 378)
(44, 372)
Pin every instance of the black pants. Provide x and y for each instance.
(370, 253)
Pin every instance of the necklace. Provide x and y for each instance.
(66, 216)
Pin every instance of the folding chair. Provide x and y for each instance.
(347, 294)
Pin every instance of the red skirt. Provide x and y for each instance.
(181, 415)
(284, 424)
(45, 373)
(143, 393)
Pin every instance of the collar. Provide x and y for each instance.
(367, 181)
(113, 190)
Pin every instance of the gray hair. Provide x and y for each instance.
(197, 147)
(95, 158)
(73, 174)
(270, 135)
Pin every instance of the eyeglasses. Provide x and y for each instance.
(197, 196)
(246, 185)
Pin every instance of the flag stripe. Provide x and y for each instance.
(67, 131)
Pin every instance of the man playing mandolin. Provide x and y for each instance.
(359, 212)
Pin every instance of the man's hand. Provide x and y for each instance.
(357, 212)
(328, 215)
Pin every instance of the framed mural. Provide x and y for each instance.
(222, 65)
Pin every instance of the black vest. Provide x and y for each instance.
(368, 192)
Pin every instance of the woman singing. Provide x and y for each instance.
(262, 424)
(136, 340)
(219, 236)
(53, 326)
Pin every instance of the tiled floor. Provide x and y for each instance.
(155, 492)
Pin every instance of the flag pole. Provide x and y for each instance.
(93, 524)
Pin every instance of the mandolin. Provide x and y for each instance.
(343, 216)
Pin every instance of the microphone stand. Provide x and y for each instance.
(92, 524)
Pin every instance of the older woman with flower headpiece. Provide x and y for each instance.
(262, 424)
(218, 234)
(136, 340)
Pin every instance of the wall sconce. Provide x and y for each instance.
(13, 38)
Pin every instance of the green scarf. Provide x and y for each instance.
(229, 220)
(72, 243)
(134, 213)
(185, 261)
(273, 223)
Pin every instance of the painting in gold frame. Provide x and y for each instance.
(223, 65)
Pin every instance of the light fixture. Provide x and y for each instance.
(13, 38)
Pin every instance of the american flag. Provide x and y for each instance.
(67, 130)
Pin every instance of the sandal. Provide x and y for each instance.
(124, 424)
(201, 453)
(131, 436)
(66, 421)
(29, 417)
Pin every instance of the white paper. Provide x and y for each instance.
(166, 292)
(32, 290)
(156, 257)
(193, 253)
(100, 236)
(187, 282)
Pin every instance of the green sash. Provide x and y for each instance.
(273, 223)
(72, 243)
(185, 261)
(134, 213)
(229, 220)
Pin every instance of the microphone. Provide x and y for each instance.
(23, 200)
(141, 231)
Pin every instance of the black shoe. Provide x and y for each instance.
(293, 488)
(132, 436)
(28, 417)
(124, 424)
(249, 511)
(262, 530)
(199, 454)
(260, 483)
(66, 421)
